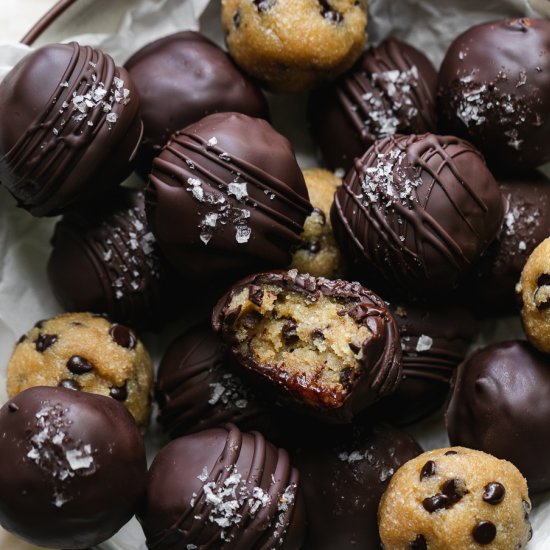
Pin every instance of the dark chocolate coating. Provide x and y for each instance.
(433, 343)
(72, 467)
(69, 127)
(415, 212)
(243, 469)
(391, 89)
(491, 289)
(380, 361)
(182, 78)
(494, 90)
(343, 483)
(499, 404)
(105, 260)
(226, 197)
(196, 388)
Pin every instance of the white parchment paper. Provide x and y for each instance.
(25, 296)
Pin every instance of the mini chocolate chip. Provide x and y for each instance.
(428, 470)
(237, 19)
(40, 324)
(12, 407)
(347, 378)
(329, 13)
(44, 341)
(484, 532)
(542, 302)
(79, 365)
(321, 214)
(251, 318)
(255, 294)
(264, 5)
(123, 336)
(69, 384)
(232, 315)
(526, 510)
(435, 503)
(120, 394)
(77, 324)
(455, 489)
(317, 334)
(290, 336)
(419, 543)
(450, 453)
(494, 493)
(22, 339)
(314, 246)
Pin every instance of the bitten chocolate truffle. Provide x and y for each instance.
(491, 289)
(182, 78)
(390, 90)
(105, 260)
(328, 347)
(69, 127)
(343, 481)
(226, 198)
(499, 404)
(72, 467)
(416, 212)
(222, 488)
(196, 388)
(433, 343)
(494, 90)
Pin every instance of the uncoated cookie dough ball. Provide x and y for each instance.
(455, 499)
(82, 351)
(294, 45)
(534, 291)
(319, 254)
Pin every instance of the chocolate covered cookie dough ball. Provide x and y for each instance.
(69, 127)
(390, 90)
(223, 489)
(327, 347)
(494, 90)
(534, 293)
(319, 254)
(294, 45)
(81, 351)
(455, 498)
(72, 467)
(182, 78)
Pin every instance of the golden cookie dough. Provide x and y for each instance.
(294, 45)
(534, 291)
(82, 351)
(319, 254)
(455, 499)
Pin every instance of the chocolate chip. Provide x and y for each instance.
(454, 489)
(237, 19)
(40, 324)
(120, 393)
(419, 543)
(346, 378)
(542, 293)
(428, 470)
(22, 339)
(123, 336)
(494, 493)
(449, 453)
(329, 13)
(354, 347)
(12, 407)
(435, 503)
(69, 384)
(44, 341)
(290, 336)
(314, 246)
(317, 334)
(526, 510)
(251, 318)
(264, 5)
(255, 295)
(79, 365)
(232, 315)
(484, 532)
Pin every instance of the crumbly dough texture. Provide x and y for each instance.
(294, 45)
(534, 291)
(301, 340)
(83, 351)
(472, 495)
(319, 254)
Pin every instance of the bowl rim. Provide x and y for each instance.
(46, 21)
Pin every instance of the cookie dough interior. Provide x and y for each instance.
(312, 347)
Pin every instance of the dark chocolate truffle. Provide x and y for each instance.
(343, 483)
(416, 212)
(182, 78)
(494, 90)
(491, 289)
(221, 488)
(499, 404)
(328, 347)
(390, 90)
(433, 342)
(69, 127)
(105, 260)
(226, 197)
(72, 467)
(196, 388)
